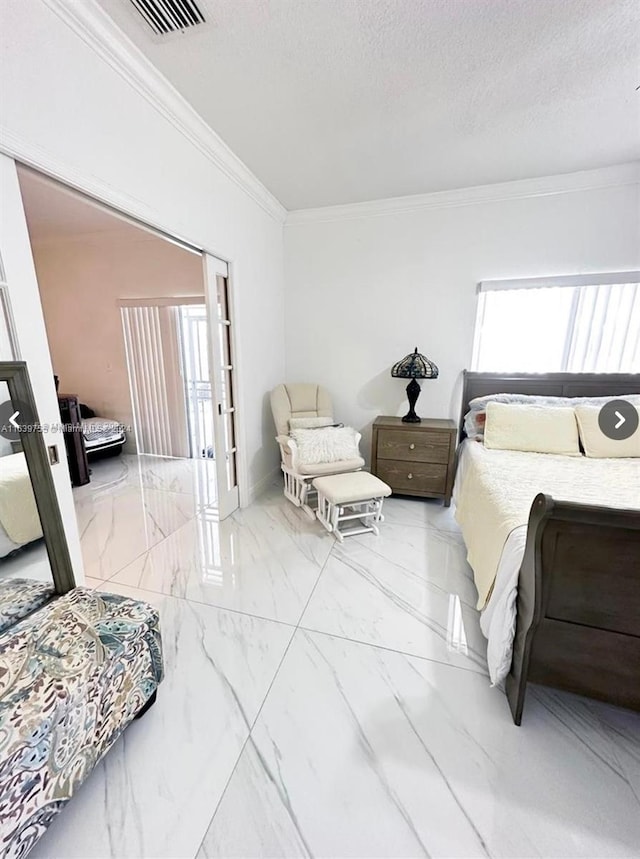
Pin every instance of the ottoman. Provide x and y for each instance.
(356, 497)
(73, 675)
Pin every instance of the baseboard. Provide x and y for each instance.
(262, 485)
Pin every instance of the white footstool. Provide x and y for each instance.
(355, 497)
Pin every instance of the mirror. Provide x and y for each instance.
(32, 539)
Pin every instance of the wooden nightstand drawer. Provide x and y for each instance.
(415, 458)
(413, 477)
(414, 446)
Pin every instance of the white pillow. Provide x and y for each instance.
(310, 423)
(596, 443)
(538, 429)
(475, 417)
(331, 444)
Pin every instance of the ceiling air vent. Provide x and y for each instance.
(169, 16)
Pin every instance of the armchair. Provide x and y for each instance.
(303, 400)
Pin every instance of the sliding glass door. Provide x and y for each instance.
(194, 337)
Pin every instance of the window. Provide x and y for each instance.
(581, 324)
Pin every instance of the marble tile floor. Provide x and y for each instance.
(327, 700)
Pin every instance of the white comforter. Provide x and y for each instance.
(493, 492)
(18, 512)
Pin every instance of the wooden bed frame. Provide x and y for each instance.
(578, 606)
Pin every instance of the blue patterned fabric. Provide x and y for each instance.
(72, 677)
(19, 597)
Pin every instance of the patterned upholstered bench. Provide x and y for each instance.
(73, 674)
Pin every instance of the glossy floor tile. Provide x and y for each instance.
(423, 513)
(327, 699)
(192, 476)
(115, 528)
(154, 793)
(432, 555)
(360, 751)
(418, 603)
(264, 560)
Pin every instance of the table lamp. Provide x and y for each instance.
(414, 366)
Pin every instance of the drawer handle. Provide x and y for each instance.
(410, 476)
(411, 446)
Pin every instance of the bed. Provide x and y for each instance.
(554, 543)
(19, 518)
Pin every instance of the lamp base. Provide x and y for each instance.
(413, 392)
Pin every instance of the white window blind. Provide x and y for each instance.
(153, 360)
(577, 324)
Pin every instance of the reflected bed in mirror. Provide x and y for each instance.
(32, 541)
(22, 549)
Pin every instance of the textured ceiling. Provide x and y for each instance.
(339, 101)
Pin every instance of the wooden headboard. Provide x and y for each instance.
(549, 384)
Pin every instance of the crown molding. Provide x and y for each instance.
(585, 180)
(104, 37)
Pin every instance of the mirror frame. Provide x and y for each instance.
(16, 375)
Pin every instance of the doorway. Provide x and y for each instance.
(89, 262)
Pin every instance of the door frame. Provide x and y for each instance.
(125, 208)
(242, 465)
(212, 268)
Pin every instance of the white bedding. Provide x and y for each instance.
(499, 486)
(18, 511)
(6, 543)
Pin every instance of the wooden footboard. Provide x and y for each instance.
(578, 609)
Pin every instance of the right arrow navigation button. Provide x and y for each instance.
(618, 419)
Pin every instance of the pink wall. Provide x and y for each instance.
(81, 280)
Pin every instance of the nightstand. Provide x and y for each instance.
(415, 459)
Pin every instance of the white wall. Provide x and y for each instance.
(69, 109)
(364, 286)
(82, 279)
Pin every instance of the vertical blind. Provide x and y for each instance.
(605, 334)
(587, 324)
(143, 339)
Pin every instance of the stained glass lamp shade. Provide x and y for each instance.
(414, 366)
